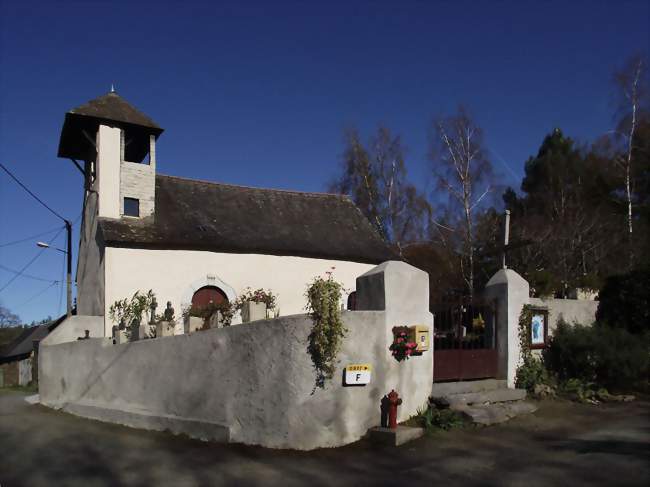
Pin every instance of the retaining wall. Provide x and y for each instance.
(252, 383)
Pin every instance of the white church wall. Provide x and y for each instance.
(174, 275)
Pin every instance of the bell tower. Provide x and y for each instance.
(117, 146)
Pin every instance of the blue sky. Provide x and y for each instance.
(259, 93)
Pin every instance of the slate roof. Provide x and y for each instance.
(110, 107)
(200, 215)
(23, 345)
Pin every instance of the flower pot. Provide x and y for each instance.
(252, 311)
(193, 323)
(164, 329)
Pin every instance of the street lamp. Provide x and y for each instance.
(43, 245)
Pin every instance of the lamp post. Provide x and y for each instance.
(68, 228)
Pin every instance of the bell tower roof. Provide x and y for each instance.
(80, 124)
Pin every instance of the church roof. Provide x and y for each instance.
(200, 215)
(110, 107)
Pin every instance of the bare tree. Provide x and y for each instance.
(7, 318)
(463, 170)
(375, 178)
(632, 92)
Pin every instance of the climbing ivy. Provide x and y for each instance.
(531, 370)
(323, 304)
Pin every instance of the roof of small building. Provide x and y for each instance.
(201, 215)
(110, 107)
(23, 344)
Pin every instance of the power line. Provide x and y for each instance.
(29, 238)
(29, 191)
(35, 296)
(20, 272)
(5, 268)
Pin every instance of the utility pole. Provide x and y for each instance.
(68, 229)
(506, 237)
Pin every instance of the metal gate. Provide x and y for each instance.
(465, 342)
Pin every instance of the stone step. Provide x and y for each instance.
(491, 397)
(488, 414)
(441, 389)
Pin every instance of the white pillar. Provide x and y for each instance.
(511, 292)
(108, 171)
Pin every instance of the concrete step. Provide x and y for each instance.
(485, 397)
(441, 389)
(488, 414)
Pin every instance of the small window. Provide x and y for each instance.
(131, 207)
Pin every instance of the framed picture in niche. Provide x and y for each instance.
(539, 328)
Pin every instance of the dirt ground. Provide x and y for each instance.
(562, 444)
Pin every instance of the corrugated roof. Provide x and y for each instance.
(200, 215)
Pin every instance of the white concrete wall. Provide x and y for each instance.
(570, 310)
(254, 382)
(511, 292)
(108, 171)
(74, 327)
(174, 275)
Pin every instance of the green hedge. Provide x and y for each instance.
(608, 356)
(625, 302)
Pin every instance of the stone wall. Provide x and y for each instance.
(9, 374)
(252, 383)
(138, 181)
(90, 264)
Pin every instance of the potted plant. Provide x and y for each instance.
(255, 305)
(402, 347)
(128, 315)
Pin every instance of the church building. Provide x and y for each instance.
(191, 240)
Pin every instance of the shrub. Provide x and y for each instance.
(432, 418)
(625, 302)
(128, 313)
(531, 373)
(601, 355)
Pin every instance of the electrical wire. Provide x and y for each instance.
(7, 244)
(36, 295)
(27, 276)
(20, 272)
(30, 192)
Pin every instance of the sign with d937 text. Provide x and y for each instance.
(357, 374)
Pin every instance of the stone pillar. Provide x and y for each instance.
(511, 292)
(401, 291)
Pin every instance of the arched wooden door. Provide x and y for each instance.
(203, 296)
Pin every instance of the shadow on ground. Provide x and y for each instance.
(562, 444)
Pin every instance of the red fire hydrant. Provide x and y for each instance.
(393, 401)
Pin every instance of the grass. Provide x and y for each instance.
(32, 388)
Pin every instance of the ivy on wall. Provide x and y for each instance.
(531, 370)
(327, 333)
